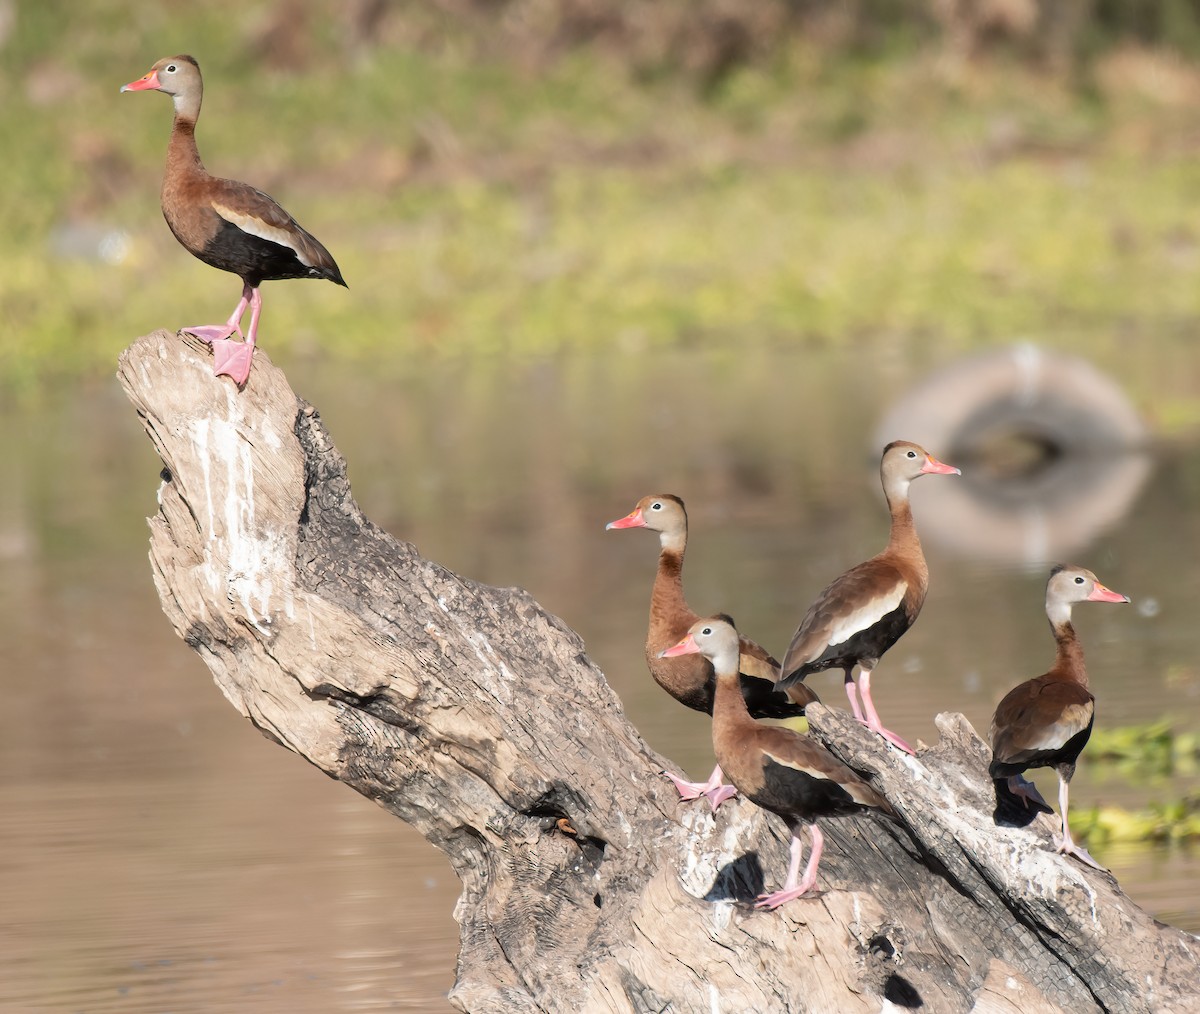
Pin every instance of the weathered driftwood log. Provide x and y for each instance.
(469, 712)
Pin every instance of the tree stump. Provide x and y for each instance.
(477, 717)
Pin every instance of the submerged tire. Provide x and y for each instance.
(1052, 452)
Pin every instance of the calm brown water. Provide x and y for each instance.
(157, 854)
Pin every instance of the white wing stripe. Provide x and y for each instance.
(1056, 736)
(813, 772)
(864, 616)
(1052, 739)
(257, 227)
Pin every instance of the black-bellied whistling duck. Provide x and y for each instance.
(227, 224)
(690, 680)
(774, 767)
(1046, 722)
(866, 610)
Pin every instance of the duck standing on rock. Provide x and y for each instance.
(227, 224)
(690, 680)
(1046, 722)
(774, 767)
(867, 610)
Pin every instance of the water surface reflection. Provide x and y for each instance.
(158, 854)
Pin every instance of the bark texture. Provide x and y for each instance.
(474, 715)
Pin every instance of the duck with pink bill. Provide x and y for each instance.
(868, 609)
(689, 679)
(1046, 722)
(227, 224)
(772, 766)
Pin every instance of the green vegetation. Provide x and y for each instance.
(1138, 753)
(482, 206)
(1162, 823)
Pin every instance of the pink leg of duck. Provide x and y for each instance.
(872, 718)
(230, 357)
(793, 888)
(713, 790)
(234, 358)
(852, 693)
(217, 332)
(1066, 844)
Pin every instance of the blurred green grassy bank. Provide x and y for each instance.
(524, 178)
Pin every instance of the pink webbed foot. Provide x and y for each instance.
(892, 738)
(1028, 793)
(796, 886)
(776, 898)
(713, 790)
(877, 727)
(213, 332)
(716, 796)
(1069, 848)
(233, 359)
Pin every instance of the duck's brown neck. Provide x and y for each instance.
(903, 539)
(667, 596)
(183, 157)
(1068, 661)
(731, 717)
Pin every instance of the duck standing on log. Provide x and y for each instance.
(690, 679)
(867, 610)
(227, 224)
(1046, 722)
(774, 767)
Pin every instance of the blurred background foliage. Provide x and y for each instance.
(502, 177)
